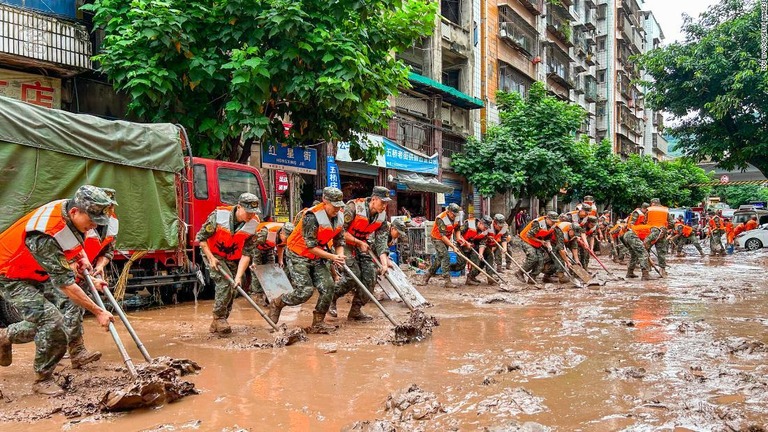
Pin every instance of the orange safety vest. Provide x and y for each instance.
(93, 244)
(716, 226)
(567, 229)
(325, 232)
(360, 228)
(450, 226)
(543, 233)
(227, 244)
(750, 225)
(640, 219)
(16, 260)
(498, 236)
(618, 230)
(574, 214)
(592, 212)
(687, 231)
(642, 231)
(657, 216)
(272, 241)
(472, 233)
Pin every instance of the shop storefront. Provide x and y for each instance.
(291, 174)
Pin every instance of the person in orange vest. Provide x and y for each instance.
(589, 202)
(473, 234)
(635, 239)
(227, 242)
(637, 217)
(738, 229)
(444, 232)
(564, 241)
(660, 219)
(616, 236)
(586, 233)
(683, 235)
(365, 229)
(35, 255)
(499, 230)
(715, 234)
(270, 241)
(536, 238)
(308, 259)
(751, 224)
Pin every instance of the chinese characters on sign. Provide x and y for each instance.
(333, 173)
(281, 182)
(282, 157)
(395, 156)
(34, 89)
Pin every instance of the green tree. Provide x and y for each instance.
(735, 196)
(712, 83)
(232, 71)
(530, 152)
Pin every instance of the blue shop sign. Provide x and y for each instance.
(334, 179)
(294, 159)
(404, 159)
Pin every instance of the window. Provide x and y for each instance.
(600, 109)
(451, 10)
(200, 181)
(451, 78)
(601, 76)
(233, 182)
(512, 80)
(601, 44)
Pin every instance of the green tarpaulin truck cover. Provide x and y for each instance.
(46, 154)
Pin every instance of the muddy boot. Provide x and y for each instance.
(261, 299)
(491, 281)
(79, 355)
(449, 282)
(631, 274)
(424, 281)
(332, 309)
(220, 325)
(520, 276)
(561, 278)
(356, 313)
(275, 307)
(45, 385)
(646, 276)
(6, 354)
(471, 280)
(509, 266)
(663, 272)
(547, 279)
(319, 326)
(499, 269)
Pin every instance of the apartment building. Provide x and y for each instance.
(655, 144)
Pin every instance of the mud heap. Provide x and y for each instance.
(418, 327)
(408, 409)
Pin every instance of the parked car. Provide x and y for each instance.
(745, 213)
(754, 239)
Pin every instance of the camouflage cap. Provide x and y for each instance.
(565, 217)
(586, 207)
(591, 219)
(249, 202)
(454, 208)
(288, 228)
(95, 202)
(382, 193)
(655, 201)
(644, 205)
(498, 217)
(110, 193)
(486, 220)
(334, 196)
(552, 215)
(399, 226)
(589, 199)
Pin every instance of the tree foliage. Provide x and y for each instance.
(713, 85)
(232, 71)
(735, 196)
(530, 152)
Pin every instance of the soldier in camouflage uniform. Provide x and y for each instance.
(365, 228)
(499, 231)
(639, 239)
(683, 235)
(270, 241)
(659, 217)
(34, 259)
(715, 234)
(227, 241)
(397, 233)
(536, 244)
(309, 260)
(615, 234)
(444, 232)
(473, 237)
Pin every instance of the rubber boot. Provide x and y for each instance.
(491, 281)
(332, 308)
(356, 313)
(45, 385)
(319, 326)
(79, 355)
(547, 279)
(509, 266)
(520, 276)
(561, 278)
(275, 307)
(631, 274)
(449, 282)
(472, 281)
(499, 269)
(220, 325)
(646, 276)
(425, 280)
(6, 352)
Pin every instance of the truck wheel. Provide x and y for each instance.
(8, 314)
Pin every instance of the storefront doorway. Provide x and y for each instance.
(356, 186)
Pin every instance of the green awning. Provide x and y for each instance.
(421, 183)
(451, 95)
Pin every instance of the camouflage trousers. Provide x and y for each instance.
(72, 315)
(443, 260)
(716, 244)
(225, 293)
(43, 322)
(584, 255)
(534, 259)
(691, 239)
(638, 255)
(363, 267)
(305, 275)
(260, 258)
(619, 249)
(662, 248)
(489, 256)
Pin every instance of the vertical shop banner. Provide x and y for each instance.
(281, 182)
(334, 180)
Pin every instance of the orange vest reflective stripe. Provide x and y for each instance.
(498, 236)
(450, 225)
(325, 232)
(642, 231)
(16, 261)
(225, 243)
(567, 229)
(360, 228)
(687, 231)
(641, 218)
(472, 233)
(272, 241)
(93, 244)
(544, 232)
(658, 216)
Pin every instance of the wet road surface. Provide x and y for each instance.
(685, 353)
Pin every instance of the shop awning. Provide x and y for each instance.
(418, 182)
(451, 95)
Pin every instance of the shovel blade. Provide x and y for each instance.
(273, 280)
(581, 273)
(412, 296)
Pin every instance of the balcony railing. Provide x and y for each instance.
(534, 6)
(41, 38)
(518, 36)
(559, 23)
(590, 88)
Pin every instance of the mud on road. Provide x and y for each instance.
(685, 353)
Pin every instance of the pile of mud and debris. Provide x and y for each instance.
(407, 409)
(417, 328)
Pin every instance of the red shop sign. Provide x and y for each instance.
(281, 182)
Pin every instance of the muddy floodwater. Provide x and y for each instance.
(685, 353)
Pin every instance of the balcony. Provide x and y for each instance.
(31, 39)
(627, 147)
(559, 24)
(590, 88)
(534, 6)
(518, 36)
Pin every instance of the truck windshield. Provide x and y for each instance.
(233, 182)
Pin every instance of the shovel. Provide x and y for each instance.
(579, 271)
(408, 300)
(288, 338)
(488, 266)
(592, 254)
(565, 269)
(464, 257)
(419, 327)
(528, 275)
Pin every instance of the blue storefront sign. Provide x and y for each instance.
(293, 159)
(334, 180)
(395, 156)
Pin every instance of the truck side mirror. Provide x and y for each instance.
(268, 209)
